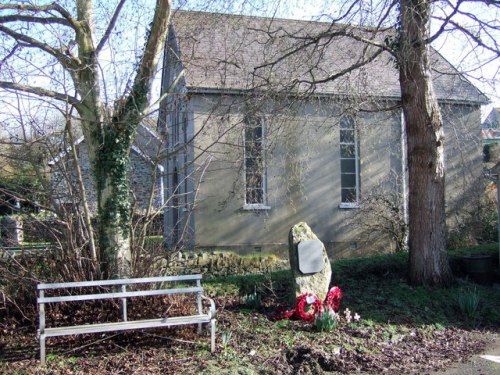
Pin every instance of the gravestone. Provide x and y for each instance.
(11, 230)
(309, 262)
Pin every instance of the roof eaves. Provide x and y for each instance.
(218, 90)
(147, 158)
(63, 153)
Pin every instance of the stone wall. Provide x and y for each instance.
(64, 187)
(11, 231)
(223, 264)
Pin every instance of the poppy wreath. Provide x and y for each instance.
(332, 301)
(305, 300)
(333, 298)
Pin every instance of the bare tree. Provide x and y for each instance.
(300, 61)
(70, 45)
(403, 29)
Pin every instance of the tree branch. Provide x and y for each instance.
(42, 9)
(32, 19)
(137, 98)
(475, 38)
(9, 55)
(65, 61)
(110, 27)
(353, 67)
(446, 21)
(40, 92)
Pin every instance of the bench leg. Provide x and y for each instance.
(212, 335)
(199, 328)
(42, 349)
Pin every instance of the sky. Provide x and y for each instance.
(452, 46)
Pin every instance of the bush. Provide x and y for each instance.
(253, 301)
(478, 225)
(468, 302)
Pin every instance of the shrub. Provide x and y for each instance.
(253, 301)
(477, 224)
(468, 302)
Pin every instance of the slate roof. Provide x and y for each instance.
(493, 120)
(147, 144)
(222, 51)
(490, 132)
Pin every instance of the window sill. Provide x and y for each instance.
(345, 205)
(255, 207)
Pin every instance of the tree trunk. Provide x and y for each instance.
(424, 129)
(109, 136)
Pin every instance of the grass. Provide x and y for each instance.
(376, 288)
(468, 302)
(397, 320)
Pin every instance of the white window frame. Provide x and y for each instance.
(352, 119)
(261, 205)
(176, 124)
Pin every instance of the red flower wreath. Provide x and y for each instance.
(333, 298)
(332, 301)
(303, 301)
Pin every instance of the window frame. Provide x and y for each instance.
(259, 121)
(345, 122)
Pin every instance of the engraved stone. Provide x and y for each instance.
(318, 282)
(310, 256)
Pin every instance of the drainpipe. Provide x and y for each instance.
(496, 172)
(404, 175)
(162, 192)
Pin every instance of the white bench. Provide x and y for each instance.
(117, 289)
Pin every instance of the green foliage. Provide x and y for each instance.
(468, 302)
(226, 337)
(484, 249)
(377, 289)
(253, 300)
(479, 225)
(389, 264)
(326, 321)
(280, 324)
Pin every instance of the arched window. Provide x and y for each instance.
(349, 162)
(255, 173)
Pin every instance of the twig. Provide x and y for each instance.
(171, 339)
(91, 343)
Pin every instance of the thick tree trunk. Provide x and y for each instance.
(113, 204)
(424, 129)
(109, 136)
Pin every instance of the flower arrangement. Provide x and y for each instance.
(305, 300)
(331, 305)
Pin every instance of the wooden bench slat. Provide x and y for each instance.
(139, 293)
(78, 284)
(123, 326)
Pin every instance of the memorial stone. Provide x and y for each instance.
(309, 262)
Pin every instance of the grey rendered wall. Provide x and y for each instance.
(303, 177)
(463, 159)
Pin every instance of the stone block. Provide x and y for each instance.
(313, 260)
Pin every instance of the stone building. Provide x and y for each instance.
(255, 146)
(146, 173)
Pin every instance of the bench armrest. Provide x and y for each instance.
(212, 311)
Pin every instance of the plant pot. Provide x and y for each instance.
(479, 268)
